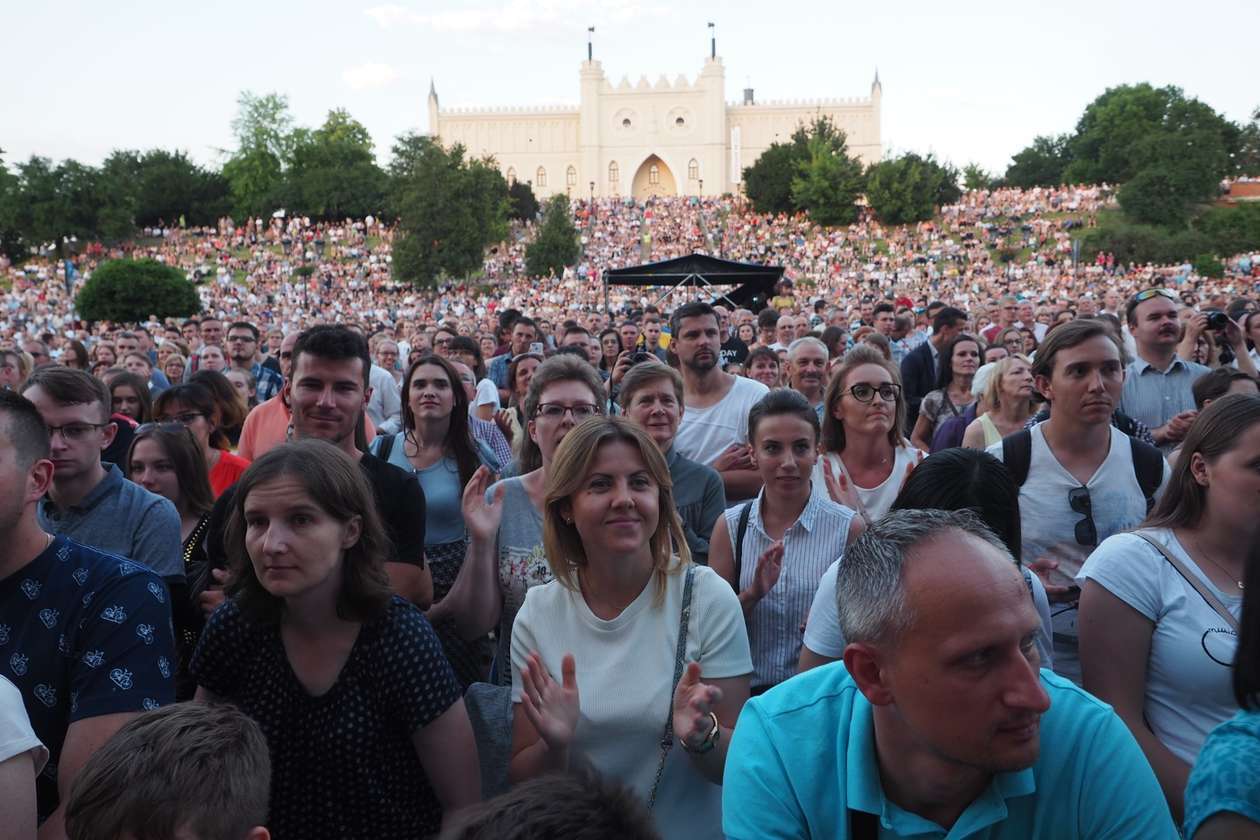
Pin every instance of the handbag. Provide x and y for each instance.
(1193, 580)
(667, 739)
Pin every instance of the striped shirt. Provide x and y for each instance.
(812, 544)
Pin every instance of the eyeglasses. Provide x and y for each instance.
(556, 411)
(1147, 294)
(75, 431)
(249, 339)
(1079, 501)
(888, 392)
(187, 418)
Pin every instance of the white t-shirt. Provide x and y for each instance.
(1189, 688)
(824, 636)
(625, 670)
(1048, 524)
(879, 499)
(487, 394)
(705, 432)
(16, 734)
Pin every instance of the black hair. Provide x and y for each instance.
(967, 479)
(783, 401)
(1247, 658)
(946, 318)
(67, 386)
(884, 307)
(694, 309)
(336, 344)
(24, 429)
(244, 325)
(767, 318)
(1215, 384)
(947, 358)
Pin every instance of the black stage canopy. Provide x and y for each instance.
(754, 283)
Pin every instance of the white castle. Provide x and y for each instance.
(644, 139)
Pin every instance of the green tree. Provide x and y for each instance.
(1247, 159)
(12, 245)
(1231, 230)
(556, 246)
(129, 291)
(1040, 165)
(167, 186)
(828, 182)
(1206, 265)
(334, 173)
(70, 200)
(266, 139)
(975, 177)
(524, 203)
(909, 188)
(768, 182)
(448, 210)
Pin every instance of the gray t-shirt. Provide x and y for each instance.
(522, 564)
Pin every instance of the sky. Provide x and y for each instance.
(971, 81)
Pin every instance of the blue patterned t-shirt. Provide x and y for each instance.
(83, 634)
(1225, 775)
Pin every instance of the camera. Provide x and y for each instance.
(640, 356)
(1217, 320)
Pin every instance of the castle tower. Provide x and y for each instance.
(433, 109)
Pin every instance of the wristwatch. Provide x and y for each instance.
(710, 740)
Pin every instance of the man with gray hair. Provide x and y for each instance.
(807, 370)
(939, 721)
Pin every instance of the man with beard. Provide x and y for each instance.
(714, 429)
(1157, 383)
(1081, 479)
(940, 721)
(807, 370)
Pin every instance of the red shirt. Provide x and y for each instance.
(225, 473)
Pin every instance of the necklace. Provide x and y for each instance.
(1199, 546)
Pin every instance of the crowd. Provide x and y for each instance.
(930, 545)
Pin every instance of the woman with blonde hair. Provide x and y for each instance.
(632, 649)
(1005, 403)
(864, 457)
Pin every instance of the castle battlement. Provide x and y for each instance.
(508, 109)
(844, 102)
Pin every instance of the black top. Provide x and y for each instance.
(399, 500)
(343, 764)
(734, 350)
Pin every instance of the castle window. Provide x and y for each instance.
(693, 170)
(654, 174)
(540, 178)
(614, 173)
(570, 177)
(625, 123)
(680, 122)
(511, 175)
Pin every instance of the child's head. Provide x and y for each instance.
(189, 771)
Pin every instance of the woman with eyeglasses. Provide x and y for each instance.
(232, 406)
(773, 549)
(367, 732)
(1159, 607)
(959, 361)
(165, 458)
(865, 459)
(175, 366)
(504, 519)
(436, 446)
(194, 406)
(634, 660)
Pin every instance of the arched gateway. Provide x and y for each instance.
(653, 178)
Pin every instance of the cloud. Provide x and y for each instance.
(369, 75)
(519, 16)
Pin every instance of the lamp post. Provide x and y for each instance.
(702, 188)
(591, 207)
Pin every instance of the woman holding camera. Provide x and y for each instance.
(1159, 607)
(633, 660)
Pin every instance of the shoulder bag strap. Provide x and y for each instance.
(1193, 580)
(740, 530)
(1148, 468)
(387, 446)
(667, 739)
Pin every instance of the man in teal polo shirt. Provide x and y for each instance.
(939, 722)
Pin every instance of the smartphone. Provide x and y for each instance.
(536, 348)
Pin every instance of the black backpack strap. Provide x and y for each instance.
(740, 530)
(1148, 468)
(1017, 455)
(387, 446)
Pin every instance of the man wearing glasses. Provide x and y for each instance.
(242, 351)
(1081, 479)
(89, 501)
